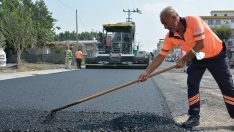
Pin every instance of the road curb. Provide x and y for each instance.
(175, 96)
(12, 75)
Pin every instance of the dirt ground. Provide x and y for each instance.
(39, 66)
(30, 67)
(214, 116)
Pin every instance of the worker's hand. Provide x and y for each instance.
(143, 77)
(180, 63)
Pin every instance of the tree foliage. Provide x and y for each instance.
(17, 25)
(72, 36)
(2, 41)
(25, 24)
(43, 22)
(223, 32)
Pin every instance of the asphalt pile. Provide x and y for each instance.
(33, 120)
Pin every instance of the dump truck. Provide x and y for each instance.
(116, 48)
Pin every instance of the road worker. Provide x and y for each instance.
(194, 36)
(79, 55)
(68, 58)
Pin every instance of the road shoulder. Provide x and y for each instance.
(214, 116)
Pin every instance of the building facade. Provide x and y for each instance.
(223, 17)
(220, 17)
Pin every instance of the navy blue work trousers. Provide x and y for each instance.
(78, 62)
(219, 68)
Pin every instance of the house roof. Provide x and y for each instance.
(70, 43)
(87, 41)
(217, 17)
(221, 11)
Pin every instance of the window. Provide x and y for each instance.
(229, 43)
(217, 22)
(232, 21)
(226, 22)
(210, 22)
(215, 14)
(46, 50)
(225, 14)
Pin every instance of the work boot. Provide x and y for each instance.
(191, 122)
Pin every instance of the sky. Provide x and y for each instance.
(92, 14)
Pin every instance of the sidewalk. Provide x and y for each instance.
(10, 74)
(214, 116)
(10, 71)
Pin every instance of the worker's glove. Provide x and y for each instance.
(143, 77)
(199, 55)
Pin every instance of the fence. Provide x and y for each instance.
(34, 58)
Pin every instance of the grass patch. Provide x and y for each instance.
(38, 66)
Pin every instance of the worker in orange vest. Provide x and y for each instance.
(205, 51)
(79, 55)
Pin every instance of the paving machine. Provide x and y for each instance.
(116, 48)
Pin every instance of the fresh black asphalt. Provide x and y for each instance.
(24, 103)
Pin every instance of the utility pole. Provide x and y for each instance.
(138, 46)
(130, 12)
(76, 27)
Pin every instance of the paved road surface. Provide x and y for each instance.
(24, 102)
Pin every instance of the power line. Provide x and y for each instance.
(73, 10)
(130, 12)
(81, 22)
(79, 16)
(67, 6)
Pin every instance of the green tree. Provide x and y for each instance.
(72, 36)
(17, 25)
(2, 41)
(43, 23)
(223, 32)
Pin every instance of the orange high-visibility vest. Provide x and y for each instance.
(79, 54)
(196, 29)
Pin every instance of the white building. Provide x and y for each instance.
(220, 17)
(174, 54)
(223, 17)
(159, 46)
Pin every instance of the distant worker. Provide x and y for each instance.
(68, 58)
(79, 56)
(194, 36)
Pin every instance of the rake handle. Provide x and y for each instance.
(110, 90)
